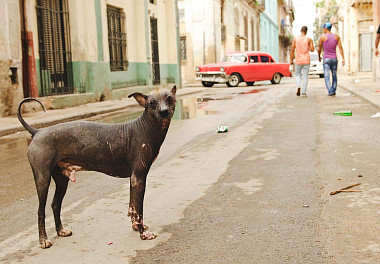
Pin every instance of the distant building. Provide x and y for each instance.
(269, 31)
(285, 22)
(92, 49)
(209, 29)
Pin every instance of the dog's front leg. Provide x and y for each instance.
(137, 192)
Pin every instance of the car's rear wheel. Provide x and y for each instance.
(250, 83)
(234, 80)
(321, 76)
(276, 78)
(207, 84)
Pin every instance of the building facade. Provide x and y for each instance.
(92, 49)
(211, 28)
(10, 57)
(353, 20)
(269, 31)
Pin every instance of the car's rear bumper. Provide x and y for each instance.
(313, 72)
(215, 77)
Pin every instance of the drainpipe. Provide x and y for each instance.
(179, 71)
(147, 45)
(24, 37)
(29, 75)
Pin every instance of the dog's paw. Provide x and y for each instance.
(147, 235)
(64, 233)
(45, 244)
(135, 227)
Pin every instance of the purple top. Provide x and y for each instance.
(329, 47)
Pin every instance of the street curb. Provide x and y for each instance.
(364, 95)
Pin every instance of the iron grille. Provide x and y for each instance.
(183, 48)
(54, 47)
(117, 39)
(155, 51)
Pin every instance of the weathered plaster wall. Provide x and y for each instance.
(10, 57)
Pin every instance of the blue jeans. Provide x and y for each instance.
(330, 65)
(302, 70)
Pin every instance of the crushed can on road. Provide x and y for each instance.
(222, 129)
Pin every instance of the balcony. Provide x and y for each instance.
(360, 2)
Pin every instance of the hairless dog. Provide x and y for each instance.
(119, 150)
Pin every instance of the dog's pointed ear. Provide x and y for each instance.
(174, 89)
(140, 98)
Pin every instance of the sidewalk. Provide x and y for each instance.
(11, 124)
(364, 87)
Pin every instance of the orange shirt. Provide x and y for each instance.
(302, 50)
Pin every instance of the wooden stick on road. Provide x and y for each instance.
(345, 189)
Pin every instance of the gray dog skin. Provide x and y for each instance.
(119, 150)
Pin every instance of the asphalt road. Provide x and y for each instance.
(259, 193)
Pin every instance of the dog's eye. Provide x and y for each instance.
(152, 102)
(169, 98)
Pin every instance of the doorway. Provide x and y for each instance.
(365, 52)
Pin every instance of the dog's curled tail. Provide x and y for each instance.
(30, 129)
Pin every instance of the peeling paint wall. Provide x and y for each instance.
(10, 57)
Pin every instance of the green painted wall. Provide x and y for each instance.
(91, 77)
(137, 74)
(169, 73)
(97, 78)
(98, 14)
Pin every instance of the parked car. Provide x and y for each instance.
(316, 66)
(246, 66)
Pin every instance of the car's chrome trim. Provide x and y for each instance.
(215, 76)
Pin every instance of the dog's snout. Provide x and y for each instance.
(164, 113)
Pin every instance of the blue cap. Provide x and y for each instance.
(327, 25)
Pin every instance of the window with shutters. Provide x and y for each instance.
(54, 47)
(117, 39)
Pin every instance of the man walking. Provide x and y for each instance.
(302, 44)
(328, 42)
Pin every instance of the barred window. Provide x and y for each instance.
(183, 48)
(117, 39)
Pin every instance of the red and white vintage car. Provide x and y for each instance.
(245, 66)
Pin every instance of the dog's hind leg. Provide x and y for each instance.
(61, 183)
(42, 179)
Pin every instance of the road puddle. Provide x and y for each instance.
(254, 91)
(195, 107)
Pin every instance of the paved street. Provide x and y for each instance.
(259, 193)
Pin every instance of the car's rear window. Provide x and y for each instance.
(254, 59)
(264, 59)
